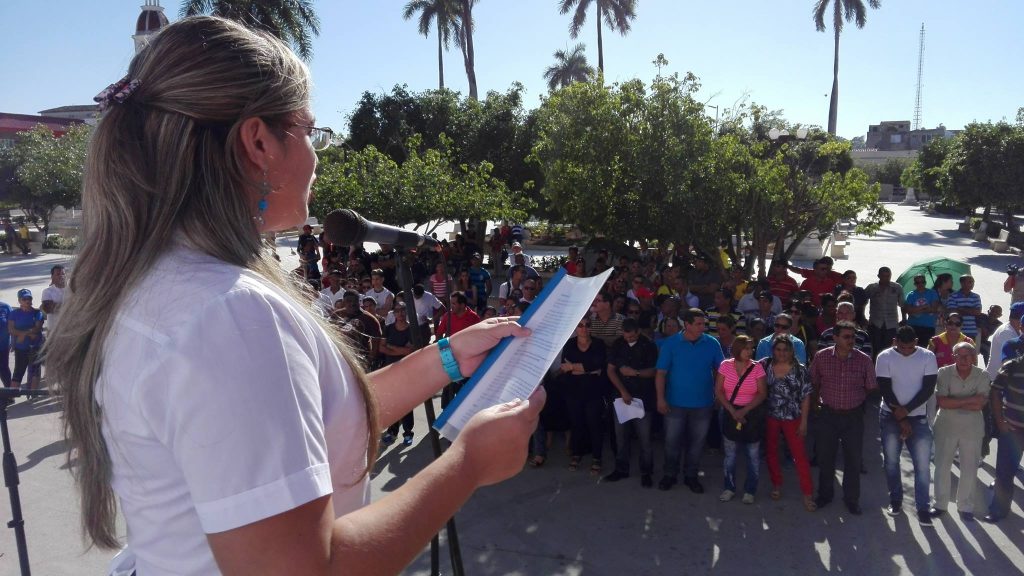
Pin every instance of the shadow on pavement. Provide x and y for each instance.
(58, 448)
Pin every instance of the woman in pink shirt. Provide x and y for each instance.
(752, 392)
(440, 282)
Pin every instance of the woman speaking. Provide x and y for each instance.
(233, 428)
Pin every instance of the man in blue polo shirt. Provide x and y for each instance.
(685, 383)
(5, 345)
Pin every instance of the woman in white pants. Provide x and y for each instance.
(962, 392)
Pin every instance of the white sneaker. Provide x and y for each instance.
(748, 498)
(726, 495)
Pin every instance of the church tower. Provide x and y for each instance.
(150, 20)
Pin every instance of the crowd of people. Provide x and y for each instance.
(23, 331)
(780, 370)
(745, 367)
(16, 235)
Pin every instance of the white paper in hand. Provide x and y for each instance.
(626, 412)
(516, 366)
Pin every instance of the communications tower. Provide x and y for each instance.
(920, 73)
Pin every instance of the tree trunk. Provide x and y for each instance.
(985, 214)
(833, 105)
(467, 25)
(600, 41)
(793, 245)
(440, 58)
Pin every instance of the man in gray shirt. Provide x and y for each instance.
(885, 300)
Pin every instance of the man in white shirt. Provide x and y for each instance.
(53, 296)
(385, 298)
(514, 282)
(906, 376)
(334, 291)
(428, 311)
(1004, 334)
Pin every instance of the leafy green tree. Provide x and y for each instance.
(496, 129)
(842, 10)
(570, 66)
(982, 168)
(890, 172)
(443, 14)
(633, 163)
(293, 21)
(44, 172)
(626, 162)
(617, 15)
(927, 173)
(430, 187)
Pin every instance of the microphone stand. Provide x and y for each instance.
(11, 474)
(406, 283)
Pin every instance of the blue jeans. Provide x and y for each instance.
(752, 451)
(1011, 447)
(695, 423)
(623, 441)
(919, 445)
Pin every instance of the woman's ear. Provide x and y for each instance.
(259, 144)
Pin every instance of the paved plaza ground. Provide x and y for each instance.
(550, 521)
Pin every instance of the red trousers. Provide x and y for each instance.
(788, 428)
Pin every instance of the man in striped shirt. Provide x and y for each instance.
(968, 305)
(1007, 403)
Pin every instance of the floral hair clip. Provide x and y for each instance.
(116, 93)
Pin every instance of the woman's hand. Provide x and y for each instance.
(471, 345)
(494, 442)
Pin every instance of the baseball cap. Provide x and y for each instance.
(24, 293)
(1017, 310)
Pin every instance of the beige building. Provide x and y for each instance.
(897, 135)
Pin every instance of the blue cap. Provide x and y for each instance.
(24, 293)
(1017, 310)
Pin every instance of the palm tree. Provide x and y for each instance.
(617, 15)
(848, 10)
(444, 12)
(464, 33)
(290, 20)
(569, 67)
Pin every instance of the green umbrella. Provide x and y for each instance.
(931, 268)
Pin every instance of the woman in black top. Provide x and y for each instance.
(583, 361)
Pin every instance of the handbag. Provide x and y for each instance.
(753, 429)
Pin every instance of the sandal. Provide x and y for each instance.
(574, 464)
(775, 494)
(537, 461)
(595, 467)
(809, 504)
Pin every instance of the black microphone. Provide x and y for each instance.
(347, 228)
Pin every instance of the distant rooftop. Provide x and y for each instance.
(67, 109)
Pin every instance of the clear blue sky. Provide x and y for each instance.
(61, 52)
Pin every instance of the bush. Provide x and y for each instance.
(58, 242)
(549, 263)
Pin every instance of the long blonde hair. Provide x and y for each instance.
(167, 161)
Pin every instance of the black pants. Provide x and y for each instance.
(406, 422)
(924, 334)
(585, 410)
(23, 360)
(836, 426)
(881, 338)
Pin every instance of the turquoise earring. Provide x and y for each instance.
(261, 206)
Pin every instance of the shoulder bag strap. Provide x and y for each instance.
(739, 383)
